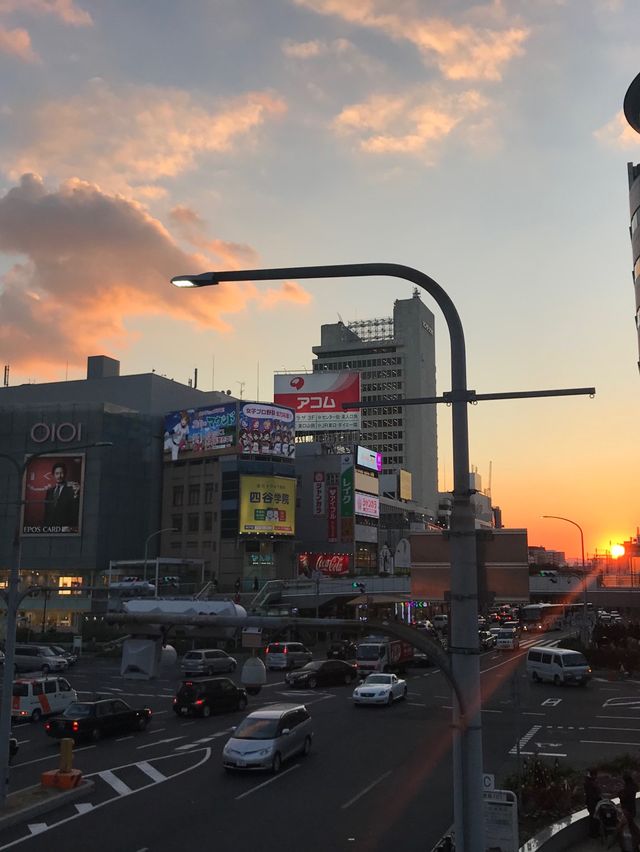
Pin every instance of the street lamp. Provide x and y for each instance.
(467, 729)
(13, 599)
(146, 551)
(584, 573)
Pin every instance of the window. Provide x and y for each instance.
(37, 689)
(194, 495)
(178, 495)
(64, 686)
(193, 522)
(208, 521)
(176, 523)
(50, 686)
(208, 492)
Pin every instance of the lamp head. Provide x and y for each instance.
(205, 279)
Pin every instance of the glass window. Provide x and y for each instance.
(178, 495)
(176, 522)
(50, 686)
(193, 522)
(194, 495)
(208, 521)
(37, 689)
(208, 492)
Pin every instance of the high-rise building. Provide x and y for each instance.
(634, 210)
(396, 360)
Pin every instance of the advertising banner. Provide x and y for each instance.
(266, 430)
(267, 505)
(369, 459)
(317, 399)
(332, 513)
(319, 494)
(52, 495)
(405, 485)
(194, 431)
(346, 486)
(367, 504)
(329, 564)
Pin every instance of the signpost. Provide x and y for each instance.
(500, 819)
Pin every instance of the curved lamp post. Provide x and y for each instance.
(146, 551)
(467, 737)
(13, 599)
(584, 570)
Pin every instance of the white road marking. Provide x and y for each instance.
(550, 702)
(622, 718)
(84, 807)
(492, 711)
(37, 827)
(113, 781)
(415, 704)
(609, 742)
(160, 742)
(156, 731)
(603, 728)
(548, 754)
(526, 713)
(525, 739)
(265, 783)
(151, 771)
(365, 791)
(120, 739)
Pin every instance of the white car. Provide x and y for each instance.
(380, 689)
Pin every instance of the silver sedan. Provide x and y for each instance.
(380, 689)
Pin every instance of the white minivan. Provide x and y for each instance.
(558, 665)
(508, 639)
(36, 697)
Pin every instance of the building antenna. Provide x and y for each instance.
(213, 372)
(258, 383)
(489, 486)
(242, 384)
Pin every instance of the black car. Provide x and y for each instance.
(97, 719)
(323, 673)
(206, 695)
(487, 639)
(343, 650)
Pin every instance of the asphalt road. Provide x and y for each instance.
(377, 779)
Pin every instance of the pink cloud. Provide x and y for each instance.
(617, 134)
(460, 50)
(132, 137)
(92, 262)
(17, 43)
(65, 10)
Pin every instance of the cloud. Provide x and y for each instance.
(65, 10)
(414, 123)
(313, 49)
(93, 262)
(193, 229)
(618, 134)
(460, 51)
(137, 136)
(17, 43)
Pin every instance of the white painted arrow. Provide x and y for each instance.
(37, 827)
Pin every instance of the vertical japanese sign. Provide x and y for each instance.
(346, 498)
(332, 513)
(319, 494)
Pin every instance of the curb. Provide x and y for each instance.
(44, 806)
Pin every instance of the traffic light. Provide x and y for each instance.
(360, 586)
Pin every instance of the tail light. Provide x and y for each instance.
(285, 649)
(266, 650)
(199, 701)
(75, 726)
(47, 726)
(175, 700)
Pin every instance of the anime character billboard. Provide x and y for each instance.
(194, 431)
(266, 430)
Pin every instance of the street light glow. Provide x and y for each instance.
(205, 279)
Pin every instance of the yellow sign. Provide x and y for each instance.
(267, 505)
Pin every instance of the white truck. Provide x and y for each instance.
(382, 654)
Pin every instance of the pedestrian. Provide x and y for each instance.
(592, 795)
(238, 586)
(256, 584)
(214, 585)
(628, 796)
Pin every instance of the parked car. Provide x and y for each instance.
(97, 719)
(207, 661)
(31, 658)
(204, 696)
(287, 655)
(488, 639)
(36, 697)
(380, 689)
(69, 656)
(420, 659)
(269, 736)
(342, 650)
(323, 673)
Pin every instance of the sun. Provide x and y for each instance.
(617, 550)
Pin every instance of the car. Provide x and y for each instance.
(267, 737)
(512, 625)
(488, 639)
(426, 627)
(508, 639)
(98, 719)
(207, 661)
(420, 659)
(69, 656)
(380, 689)
(36, 697)
(342, 650)
(286, 655)
(204, 696)
(323, 673)
(31, 658)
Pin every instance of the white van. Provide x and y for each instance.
(36, 697)
(558, 665)
(508, 639)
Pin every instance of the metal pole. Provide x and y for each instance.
(464, 650)
(146, 556)
(584, 573)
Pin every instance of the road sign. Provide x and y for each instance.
(488, 781)
(500, 820)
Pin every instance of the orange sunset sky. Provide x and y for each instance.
(482, 143)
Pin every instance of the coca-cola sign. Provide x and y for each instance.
(329, 564)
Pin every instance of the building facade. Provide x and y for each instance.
(396, 360)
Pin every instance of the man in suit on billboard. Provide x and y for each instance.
(62, 500)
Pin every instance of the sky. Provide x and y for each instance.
(482, 143)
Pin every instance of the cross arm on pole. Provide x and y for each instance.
(471, 396)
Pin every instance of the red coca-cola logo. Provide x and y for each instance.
(330, 564)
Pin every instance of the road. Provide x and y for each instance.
(377, 779)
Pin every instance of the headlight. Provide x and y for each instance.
(382, 693)
(263, 752)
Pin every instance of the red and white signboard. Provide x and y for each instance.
(332, 513)
(367, 504)
(319, 494)
(317, 399)
(330, 564)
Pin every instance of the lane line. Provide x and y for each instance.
(113, 781)
(609, 742)
(151, 771)
(365, 791)
(265, 783)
